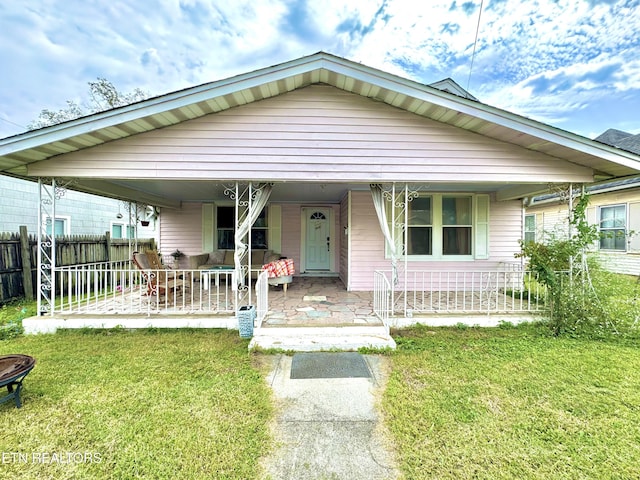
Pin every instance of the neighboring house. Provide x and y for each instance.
(76, 213)
(347, 170)
(614, 206)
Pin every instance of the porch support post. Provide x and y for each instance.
(405, 241)
(250, 200)
(46, 246)
(395, 200)
(570, 229)
(242, 254)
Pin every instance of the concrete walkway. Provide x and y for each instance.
(328, 428)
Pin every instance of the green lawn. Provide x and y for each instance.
(460, 403)
(187, 404)
(514, 403)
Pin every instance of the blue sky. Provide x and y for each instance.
(571, 64)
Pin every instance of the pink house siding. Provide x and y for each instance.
(182, 229)
(505, 231)
(368, 252)
(367, 242)
(291, 225)
(360, 253)
(313, 134)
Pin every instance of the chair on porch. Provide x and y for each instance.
(155, 275)
(154, 260)
(280, 272)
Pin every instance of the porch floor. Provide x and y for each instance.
(319, 301)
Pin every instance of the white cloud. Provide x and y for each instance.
(546, 59)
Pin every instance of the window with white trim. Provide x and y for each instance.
(445, 226)
(530, 228)
(456, 225)
(420, 226)
(225, 229)
(122, 230)
(61, 226)
(613, 227)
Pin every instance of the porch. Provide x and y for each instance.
(314, 313)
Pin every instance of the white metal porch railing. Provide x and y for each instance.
(262, 298)
(382, 298)
(428, 292)
(118, 288)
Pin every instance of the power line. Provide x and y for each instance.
(12, 123)
(475, 43)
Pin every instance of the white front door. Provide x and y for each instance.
(318, 240)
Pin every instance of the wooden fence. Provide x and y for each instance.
(19, 258)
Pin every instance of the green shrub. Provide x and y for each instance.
(11, 316)
(584, 299)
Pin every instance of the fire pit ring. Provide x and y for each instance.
(13, 370)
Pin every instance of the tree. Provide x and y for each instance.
(103, 95)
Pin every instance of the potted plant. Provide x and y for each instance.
(177, 255)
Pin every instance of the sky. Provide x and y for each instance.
(571, 64)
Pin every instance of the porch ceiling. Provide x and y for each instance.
(171, 194)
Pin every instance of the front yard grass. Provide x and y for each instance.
(513, 403)
(147, 404)
(460, 403)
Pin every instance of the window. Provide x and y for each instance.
(613, 227)
(420, 227)
(440, 225)
(120, 230)
(529, 228)
(225, 229)
(60, 226)
(456, 225)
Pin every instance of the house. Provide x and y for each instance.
(77, 213)
(381, 183)
(614, 206)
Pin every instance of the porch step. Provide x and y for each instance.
(313, 339)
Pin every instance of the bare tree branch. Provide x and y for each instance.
(103, 95)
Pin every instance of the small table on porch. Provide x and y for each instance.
(205, 275)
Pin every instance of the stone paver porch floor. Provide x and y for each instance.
(319, 301)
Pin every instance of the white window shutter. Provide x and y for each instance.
(208, 227)
(482, 227)
(275, 228)
(634, 227)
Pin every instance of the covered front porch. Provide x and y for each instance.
(362, 267)
(314, 313)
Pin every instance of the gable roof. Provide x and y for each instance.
(619, 139)
(451, 86)
(19, 151)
